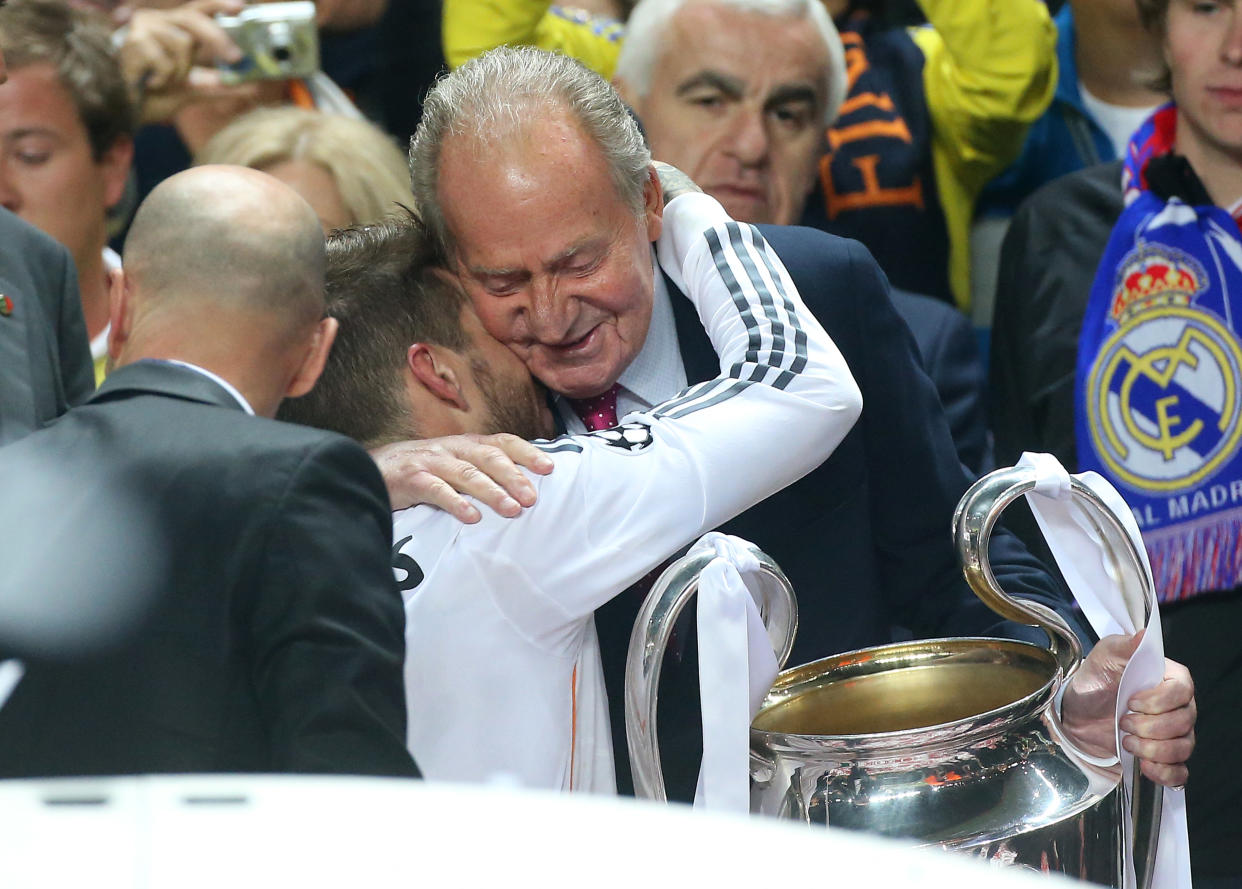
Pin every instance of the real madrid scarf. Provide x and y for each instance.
(1158, 392)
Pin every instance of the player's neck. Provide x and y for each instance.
(261, 364)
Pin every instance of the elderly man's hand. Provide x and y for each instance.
(673, 182)
(438, 471)
(1159, 730)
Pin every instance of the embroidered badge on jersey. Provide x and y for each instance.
(628, 437)
(1164, 396)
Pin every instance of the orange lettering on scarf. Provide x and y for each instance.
(872, 194)
(855, 59)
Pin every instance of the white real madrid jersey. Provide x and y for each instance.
(503, 675)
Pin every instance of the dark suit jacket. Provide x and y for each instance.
(950, 354)
(274, 641)
(45, 359)
(865, 538)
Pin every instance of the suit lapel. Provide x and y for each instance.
(162, 378)
(697, 353)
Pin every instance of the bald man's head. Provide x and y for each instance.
(229, 237)
(224, 269)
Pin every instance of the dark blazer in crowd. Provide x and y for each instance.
(865, 538)
(45, 359)
(1048, 263)
(274, 639)
(950, 354)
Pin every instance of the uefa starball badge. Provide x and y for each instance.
(6, 305)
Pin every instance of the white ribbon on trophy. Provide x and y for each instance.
(736, 669)
(1080, 555)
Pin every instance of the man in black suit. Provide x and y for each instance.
(43, 347)
(539, 186)
(272, 640)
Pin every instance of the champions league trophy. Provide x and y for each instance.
(955, 743)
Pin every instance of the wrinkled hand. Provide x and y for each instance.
(673, 182)
(1159, 730)
(168, 56)
(438, 471)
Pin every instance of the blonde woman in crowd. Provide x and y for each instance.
(348, 170)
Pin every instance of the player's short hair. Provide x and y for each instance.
(384, 292)
(500, 93)
(78, 45)
(648, 23)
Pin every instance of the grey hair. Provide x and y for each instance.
(648, 23)
(500, 93)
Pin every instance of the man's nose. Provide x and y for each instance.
(749, 141)
(1231, 43)
(548, 311)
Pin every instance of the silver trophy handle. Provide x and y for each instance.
(973, 521)
(652, 628)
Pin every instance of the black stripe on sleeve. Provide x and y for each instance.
(558, 445)
(744, 251)
(799, 333)
(735, 291)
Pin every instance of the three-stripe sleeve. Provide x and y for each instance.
(776, 341)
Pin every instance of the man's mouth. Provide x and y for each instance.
(1229, 95)
(581, 348)
(752, 193)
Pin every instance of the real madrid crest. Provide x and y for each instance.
(1163, 396)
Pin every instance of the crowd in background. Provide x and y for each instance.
(1002, 161)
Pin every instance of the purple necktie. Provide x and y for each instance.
(600, 411)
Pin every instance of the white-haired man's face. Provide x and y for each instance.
(557, 264)
(736, 100)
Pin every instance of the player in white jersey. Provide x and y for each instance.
(503, 673)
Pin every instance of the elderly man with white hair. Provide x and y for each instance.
(541, 192)
(932, 113)
(739, 95)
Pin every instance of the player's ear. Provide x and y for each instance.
(435, 371)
